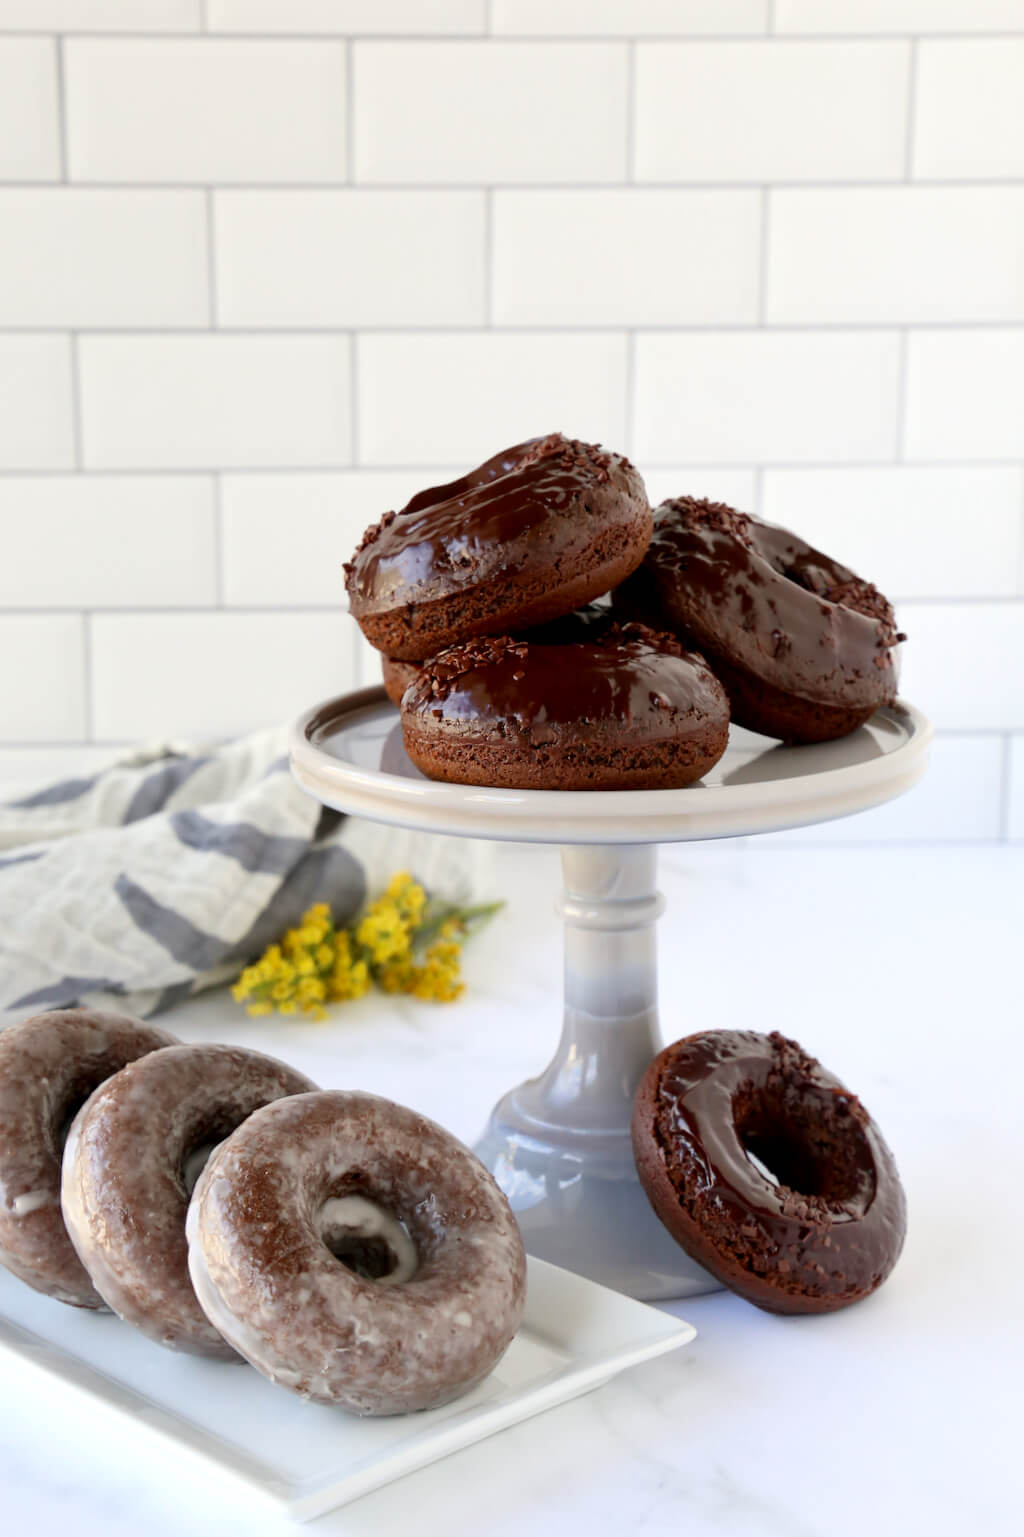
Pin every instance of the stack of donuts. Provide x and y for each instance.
(512, 665)
(348, 1248)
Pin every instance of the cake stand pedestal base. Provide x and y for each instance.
(559, 1145)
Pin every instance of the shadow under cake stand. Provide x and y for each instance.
(559, 1145)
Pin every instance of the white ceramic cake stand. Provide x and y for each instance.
(559, 1145)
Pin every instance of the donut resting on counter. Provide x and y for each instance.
(803, 646)
(767, 1171)
(529, 535)
(132, 1157)
(630, 710)
(356, 1253)
(49, 1066)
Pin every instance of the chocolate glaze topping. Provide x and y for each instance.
(762, 598)
(489, 521)
(832, 1219)
(631, 675)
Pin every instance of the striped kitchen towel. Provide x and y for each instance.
(164, 874)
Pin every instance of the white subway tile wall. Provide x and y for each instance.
(269, 266)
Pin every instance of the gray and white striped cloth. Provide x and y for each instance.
(165, 873)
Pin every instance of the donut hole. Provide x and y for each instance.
(367, 1239)
(198, 1137)
(809, 1144)
(194, 1162)
(371, 1258)
(69, 1104)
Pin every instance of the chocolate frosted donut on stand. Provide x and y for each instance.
(397, 676)
(132, 1157)
(585, 623)
(629, 711)
(803, 646)
(533, 533)
(356, 1253)
(767, 1171)
(49, 1066)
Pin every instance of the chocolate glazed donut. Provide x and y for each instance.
(527, 536)
(628, 711)
(767, 1171)
(132, 1157)
(802, 645)
(587, 623)
(356, 1253)
(49, 1065)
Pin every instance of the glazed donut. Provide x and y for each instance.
(586, 623)
(397, 676)
(49, 1065)
(356, 1253)
(767, 1171)
(628, 711)
(531, 534)
(803, 646)
(133, 1155)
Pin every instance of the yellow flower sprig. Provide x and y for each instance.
(403, 943)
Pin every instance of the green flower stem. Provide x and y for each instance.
(466, 916)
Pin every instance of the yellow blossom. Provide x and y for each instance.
(402, 942)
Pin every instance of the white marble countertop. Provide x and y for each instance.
(900, 969)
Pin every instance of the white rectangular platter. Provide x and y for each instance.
(575, 1336)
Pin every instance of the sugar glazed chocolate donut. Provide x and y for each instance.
(132, 1157)
(527, 536)
(49, 1066)
(628, 711)
(803, 646)
(767, 1171)
(356, 1253)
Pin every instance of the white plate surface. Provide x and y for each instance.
(575, 1336)
(348, 753)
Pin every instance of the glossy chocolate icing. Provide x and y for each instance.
(491, 521)
(642, 682)
(761, 598)
(831, 1220)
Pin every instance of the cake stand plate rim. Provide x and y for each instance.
(602, 816)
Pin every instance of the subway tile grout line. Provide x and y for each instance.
(1006, 788)
(353, 404)
(204, 20)
(952, 600)
(532, 328)
(631, 110)
(908, 149)
(350, 112)
(77, 432)
(489, 258)
(629, 385)
(902, 376)
(203, 471)
(762, 289)
(769, 19)
(211, 258)
(62, 110)
(759, 491)
(1020, 536)
(514, 39)
(217, 489)
(895, 182)
(88, 711)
